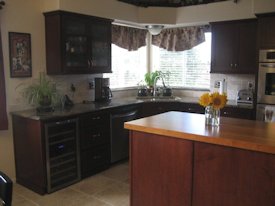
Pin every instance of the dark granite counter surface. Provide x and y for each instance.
(82, 108)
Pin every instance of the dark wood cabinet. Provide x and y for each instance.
(237, 112)
(229, 176)
(77, 44)
(153, 108)
(94, 142)
(191, 108)
(266, 31)
(234, 47)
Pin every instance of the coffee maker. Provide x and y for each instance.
(103, 92)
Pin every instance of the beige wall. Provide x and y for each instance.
(27, 16)
(19, 17)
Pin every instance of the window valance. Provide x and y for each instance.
(128, 38)
(180, 39)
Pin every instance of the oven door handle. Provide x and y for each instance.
(267, 65)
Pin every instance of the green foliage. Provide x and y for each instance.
(44, 90)
(150, 77)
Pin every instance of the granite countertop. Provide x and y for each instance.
(81, 108)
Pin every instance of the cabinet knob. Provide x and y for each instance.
(235, 65)
(189, 109)
(231, 64)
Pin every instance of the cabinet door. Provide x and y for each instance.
(266, 32)
(75, 45)
(161, 170)
(229, 176)
(247, 52)
(100, 46)
(242, 113)
(224, 45)
(192, 108)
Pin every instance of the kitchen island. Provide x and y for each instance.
(176, 159)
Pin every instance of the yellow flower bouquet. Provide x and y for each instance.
(213, 102)
(215, 99)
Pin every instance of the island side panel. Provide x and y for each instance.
(161, 170)
(229, 176)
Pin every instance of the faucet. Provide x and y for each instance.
(155, 83)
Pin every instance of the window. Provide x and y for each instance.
(128, 67)
(188, 69)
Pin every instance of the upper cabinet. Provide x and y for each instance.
(77, 44)
(266, 31)
(234, 47)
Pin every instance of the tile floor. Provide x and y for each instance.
(108, 188)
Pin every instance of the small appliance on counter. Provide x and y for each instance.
(103, 92)
(245, 97)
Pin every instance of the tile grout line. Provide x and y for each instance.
(76, 190)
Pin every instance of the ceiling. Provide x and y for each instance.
(169, 3)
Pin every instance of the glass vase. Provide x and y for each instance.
(212, 116)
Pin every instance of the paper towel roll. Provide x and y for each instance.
(222, 87)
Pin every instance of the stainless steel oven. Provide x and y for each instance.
(266, 77)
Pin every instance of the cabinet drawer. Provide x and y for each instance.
(94, 119)
(241, 113)
(92, 136)
(95, 160)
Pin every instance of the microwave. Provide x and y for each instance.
(267, 55)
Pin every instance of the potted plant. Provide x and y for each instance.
(42, 94)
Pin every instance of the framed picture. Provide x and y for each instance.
(20, 54)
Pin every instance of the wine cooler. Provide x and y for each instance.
(62, 154)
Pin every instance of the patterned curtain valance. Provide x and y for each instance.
(128, 38)
(180, 39)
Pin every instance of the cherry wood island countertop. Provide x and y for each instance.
(237, 133)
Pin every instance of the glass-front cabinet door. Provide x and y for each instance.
(100, 46)
(76, 52)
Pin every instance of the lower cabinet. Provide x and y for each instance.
(95, 160)
(161, 170)
(94, 143)
(236, 112)
(170, 171)
(229, 176)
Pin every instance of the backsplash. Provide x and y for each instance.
(82, 91)
(234, 83)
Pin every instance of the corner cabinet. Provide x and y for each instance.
(234, 47)
(77, 44)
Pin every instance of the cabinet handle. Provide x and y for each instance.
(225, 113)
(96, 157)
(96, 135)
(189, 109)
(89, 63)
(235, 65)
(231, 65)
(96, 118)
